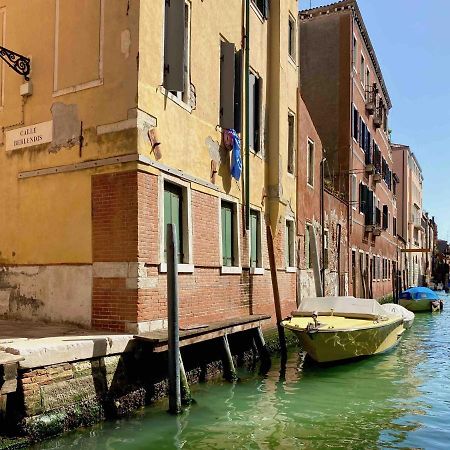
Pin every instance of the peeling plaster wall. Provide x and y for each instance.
(60, 293)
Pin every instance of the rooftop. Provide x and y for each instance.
(346, 5)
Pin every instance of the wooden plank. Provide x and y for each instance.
(161, 345)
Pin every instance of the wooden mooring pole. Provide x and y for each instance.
(276, 291)
(172, 321)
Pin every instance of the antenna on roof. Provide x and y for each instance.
(310, 1)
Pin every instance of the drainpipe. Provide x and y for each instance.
(247, 113)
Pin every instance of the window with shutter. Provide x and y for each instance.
(385, 217)
(310, 163)
(361, 198)
(255, 112)
(227, 212)
(291, 143)
(227, 84)
(289, 248)
(355, 123)
(291, 37)
(173, 214)
(255, 239)
(238, 91)
(262, 6)
(176, 46)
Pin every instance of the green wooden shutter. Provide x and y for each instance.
(227, 234)
(173, 214)
(254, 239)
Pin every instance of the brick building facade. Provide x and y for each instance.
(343, 88)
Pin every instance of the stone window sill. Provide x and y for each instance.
(291, 269)
(227, 270)
(182, 268)
(256, 270)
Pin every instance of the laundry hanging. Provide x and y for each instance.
(236, 161)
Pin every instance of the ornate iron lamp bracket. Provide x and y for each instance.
(18, 63)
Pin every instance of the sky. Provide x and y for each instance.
(412, 43)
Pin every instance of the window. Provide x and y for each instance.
(385, 217)
(262, 6)
(310, 164)
(361, 70)
(367, 79)
(291, 37)
(177, 49)
(229, 86)
(325, 249)
(290, 243)
(173, 214)
(75, 68)
(228, 234)
(291, 143)
(355, 124)
(255, 112)
(394, 226)
(355, 49)
(308, 236)
(255, 239)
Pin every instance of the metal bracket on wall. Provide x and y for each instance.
(19, 63)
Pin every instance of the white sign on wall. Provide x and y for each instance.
(37, 134)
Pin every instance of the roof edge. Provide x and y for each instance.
(353, 5)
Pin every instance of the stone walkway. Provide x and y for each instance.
(20, 329)
(43, 344)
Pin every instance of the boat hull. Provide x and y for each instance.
(416, 305)
(327, 346)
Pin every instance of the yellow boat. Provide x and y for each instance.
(341, 328)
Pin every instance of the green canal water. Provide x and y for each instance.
(398, 400)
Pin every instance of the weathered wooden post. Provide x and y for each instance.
(276, 291)
(172, 321)
(186, 397)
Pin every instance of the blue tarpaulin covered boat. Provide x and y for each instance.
(420, 299)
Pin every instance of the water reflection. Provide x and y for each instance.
(397, 400)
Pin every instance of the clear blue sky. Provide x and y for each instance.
(412, 43)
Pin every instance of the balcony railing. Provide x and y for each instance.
(371, 98)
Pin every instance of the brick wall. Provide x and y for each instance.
(114, 217)
(114, 239)
(126, 230)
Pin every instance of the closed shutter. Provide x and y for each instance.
(251, 102)
(173, 215)
(227, 73)
(257, 115)
(238, 91)
(227, 234)
(174, 45)
(361, 198)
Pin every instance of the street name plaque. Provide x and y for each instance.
(37, 134)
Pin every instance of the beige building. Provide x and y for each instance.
(409, 203)
(120, 130)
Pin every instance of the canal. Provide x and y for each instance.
(397, 400)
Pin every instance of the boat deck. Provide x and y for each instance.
(337, 323)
